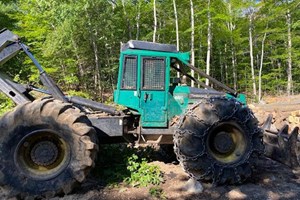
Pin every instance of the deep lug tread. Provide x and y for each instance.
(195, 126)
(47, 113)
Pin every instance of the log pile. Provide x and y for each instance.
(283, 113)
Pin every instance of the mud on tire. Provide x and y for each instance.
(218, 139)
(46, 147)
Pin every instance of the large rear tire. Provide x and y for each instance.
(46, 147)
(218, 139)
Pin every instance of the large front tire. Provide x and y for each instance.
(46, 147)
(218, 139)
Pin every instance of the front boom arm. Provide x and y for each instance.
(10, 45)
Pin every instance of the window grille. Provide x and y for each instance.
(129, 73)
(153, 74)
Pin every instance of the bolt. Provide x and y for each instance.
(26, 144)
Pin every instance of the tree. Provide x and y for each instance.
(289, 49)
(251, 13)
(192, 40)
(177, 31)
(209, 39)
(155, 21)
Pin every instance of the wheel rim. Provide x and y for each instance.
(42, 154)
(227, 142)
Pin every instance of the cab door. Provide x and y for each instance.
(153, 92)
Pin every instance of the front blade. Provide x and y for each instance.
(282, 146)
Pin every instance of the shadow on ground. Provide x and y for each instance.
(271, 180)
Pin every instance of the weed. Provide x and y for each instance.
(141, 173)
(157, 192)
(118, 163)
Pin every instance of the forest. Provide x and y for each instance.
(252, 46)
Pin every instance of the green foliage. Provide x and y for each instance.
(78, 42)
(6, 9)
(5, 104)
(78, 93)
(141, 173)
(121, 164)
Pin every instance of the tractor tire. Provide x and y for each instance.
(218, 140)
(46, 148)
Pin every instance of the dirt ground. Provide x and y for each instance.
(271, 180)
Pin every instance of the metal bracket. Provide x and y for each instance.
(15, 91)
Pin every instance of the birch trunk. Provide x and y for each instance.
(155, 21)
(261, 66)
(233, 61)
(226, 66)
(97, 75)
(209, 38)
(289, 48)
(176, 24)
(251, 53)
(138, 21)
(231, 27)
(192, 41)
(177, 31)
(158, 26)
(200, 56)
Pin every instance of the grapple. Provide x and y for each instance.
(282, 146)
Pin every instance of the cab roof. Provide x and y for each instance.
(151, 46)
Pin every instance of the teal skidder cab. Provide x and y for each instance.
(49, 144)
(145, 84)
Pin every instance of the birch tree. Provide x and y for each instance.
(231, 26)
(176, 24)
(138, 17)
(155, 21)
(289, 49)
(251, 16)
(261, 65)
(209, 39)
(192, 41)
(177, 30)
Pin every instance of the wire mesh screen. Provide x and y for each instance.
(129, 73)
(153, 74)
